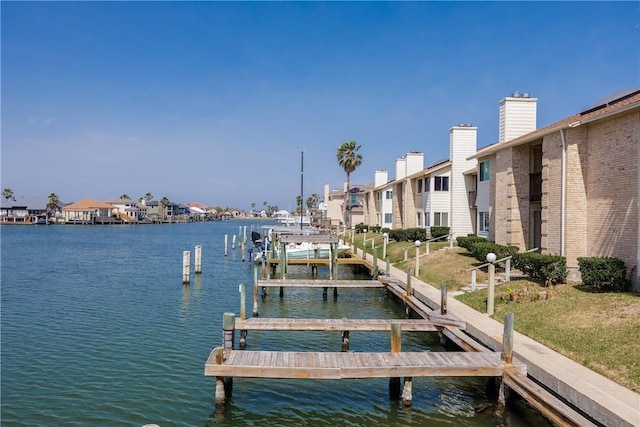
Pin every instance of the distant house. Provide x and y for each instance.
(88, 211)
(128, 210)
(24, 210)
(170, 210)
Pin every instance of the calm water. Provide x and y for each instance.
(97, 329)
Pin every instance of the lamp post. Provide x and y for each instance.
(491, 258)
(364, 240)
(417, 269)
(385, 240)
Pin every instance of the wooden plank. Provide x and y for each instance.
(320, 283)
(338, 365)
(555, 410)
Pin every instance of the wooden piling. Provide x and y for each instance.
(243, 301)
(443, 299)
(407, 392)
(226, 245)
(507, 339)
(198, 258)
(244, 252)
(186, 267)
(221, 397)
(228, 330)
(255, 290)
(233, 242)
(345, 340)
(396, 347)
(375, 265)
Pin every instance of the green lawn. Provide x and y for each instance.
(599, 330)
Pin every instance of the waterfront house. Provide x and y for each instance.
(571, 188)
(25, 210)
(128, 210)
(88, 211)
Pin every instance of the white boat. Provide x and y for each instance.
(307, 250)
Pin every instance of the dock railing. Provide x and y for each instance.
(507, 268)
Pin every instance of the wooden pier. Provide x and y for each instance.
(344, 365)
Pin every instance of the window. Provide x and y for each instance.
(484, 222)
(388, 218)
(426, 219)
(440, 219)
(378, 195)
(441, 183)
(484, 170)
(354, 200)
(426, 184)
(388, 194)
(419, 186)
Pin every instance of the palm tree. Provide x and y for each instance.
(52, 204)
(162, 205)
(7, 193)
(125, 196)
(148, 197)
(299, 204)
(349, 160)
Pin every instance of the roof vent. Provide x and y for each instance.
(516, 94)
(526, 95)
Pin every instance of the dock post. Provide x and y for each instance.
(334, 260)
(409, 291)
(335, 293)
(443, 299)
(233, 242)
(473, 280)
(198, 256)
(507, 357)
(375, 265)
(283, 260)
(255, 290)
(221, 397)
(226, 245)
(186, 267)
(243, 301)
(407, 392)
(345, 340)
(228, 330)
(396, 347)
(507, 270)
(387, 267)
(244, 255)
(406, 254)
(324, 292)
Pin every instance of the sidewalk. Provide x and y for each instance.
(602, 399)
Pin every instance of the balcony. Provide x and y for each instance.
(472, 199)
(535, 187)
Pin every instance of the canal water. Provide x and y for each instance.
(98, 329)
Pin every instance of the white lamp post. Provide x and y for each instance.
(417, 269)
(364, 240)
(491, 258)
(385, 240)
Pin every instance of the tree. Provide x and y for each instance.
(298, 204)
(162, 206)
(125, 196)
(148, 197)
(7, 193)
(349, 160)
(52, 204)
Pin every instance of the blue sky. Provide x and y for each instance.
(213, 102)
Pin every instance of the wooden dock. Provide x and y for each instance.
(343, 365)
(319, 283)
(296, 324)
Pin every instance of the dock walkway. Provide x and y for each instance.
(343, 365)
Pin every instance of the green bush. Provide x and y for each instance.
(604, 274)
(361, 227)
(439, 231)
(479, 250)
(467, 241)
(408, 235)
(542, 268)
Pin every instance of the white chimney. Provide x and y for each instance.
(381, 178)
(409, 164)
(517, 116)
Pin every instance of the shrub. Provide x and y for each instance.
(361, 227)
(408, 235)
(439, 231)
(542, 268)
(467, 241)
(479, 250)
(604, 274)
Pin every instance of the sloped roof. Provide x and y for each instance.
(87, 204)
(612, 106)
(31, 203)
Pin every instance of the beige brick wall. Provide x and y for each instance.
(612, 188)
(551, 194)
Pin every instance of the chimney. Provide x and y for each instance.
(381, 178)
(517, 116)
